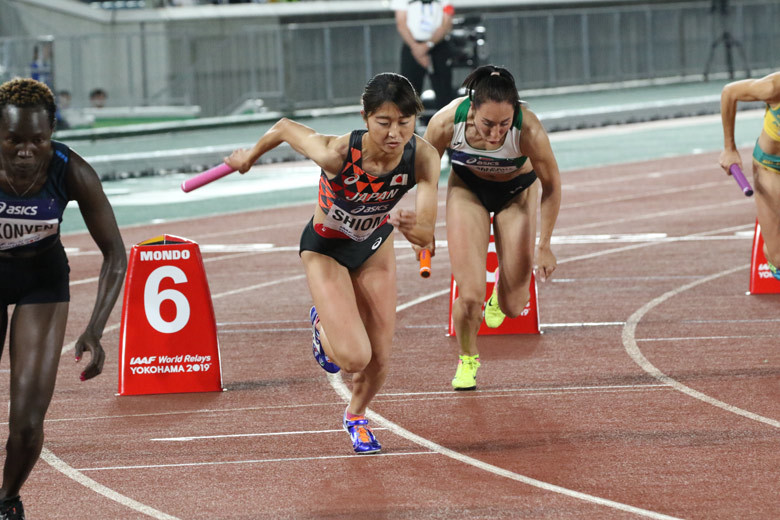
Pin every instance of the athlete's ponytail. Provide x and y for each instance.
(492, 83)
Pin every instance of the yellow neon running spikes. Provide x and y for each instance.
(466, 375)
(494, 316)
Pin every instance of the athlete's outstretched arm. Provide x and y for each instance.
(536, 145)
(318, 147)
(766, 89)
(418, 226)
(84, 187)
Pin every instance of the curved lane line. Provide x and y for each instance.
(58, 464)
(74, 474)
(341, 389)
(630, 344)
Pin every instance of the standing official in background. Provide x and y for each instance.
(424, 25)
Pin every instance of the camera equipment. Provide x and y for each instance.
(721, 8)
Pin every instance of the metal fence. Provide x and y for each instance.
(297, 66)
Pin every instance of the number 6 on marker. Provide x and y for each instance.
(153, 299)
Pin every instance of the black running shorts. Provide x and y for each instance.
(494, 195)
(42, 278)
(345, 251)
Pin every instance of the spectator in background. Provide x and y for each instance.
(424, 26)
(98, 97)
(63, 103)
(40, 67)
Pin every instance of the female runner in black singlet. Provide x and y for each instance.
(38, 177)
(347, 247)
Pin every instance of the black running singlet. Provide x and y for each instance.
(33, 222)
(356, 203)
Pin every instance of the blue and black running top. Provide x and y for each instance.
(355, 202)
(32, 223)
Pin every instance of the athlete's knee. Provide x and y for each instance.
(25, 431)
(380, 360)
(514, 303)
(470, 305)
(355, 359)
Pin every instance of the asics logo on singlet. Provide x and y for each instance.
(29, 211)
(483, 161)
(351, 180)
(371, 209)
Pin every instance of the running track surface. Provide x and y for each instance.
(652, 393)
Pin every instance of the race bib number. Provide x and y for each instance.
(357, 222)
(17, 232)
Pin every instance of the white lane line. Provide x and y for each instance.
(239, 250)
(754, 320)
(533, 391)
(223, 330)
(342, 390)
(631, 177)
(243, 331)
(72, 473)
(259, 461)
(234, 251)
(422, 299)
(601, 279)
(247, 230)
(385, 397)
(260, 322)
(76, 475)
(694, 338)
(643, 195)
(630, 344)
(60, 465)
(189, 412)
(643, 245)
(479, 395)
(240, 435)
(85, 280)
(258, 286)
(583, 324)
(707, 208)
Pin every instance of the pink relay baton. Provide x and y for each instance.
(736, 172)
(206, 177)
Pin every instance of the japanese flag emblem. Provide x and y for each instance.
(398, 179)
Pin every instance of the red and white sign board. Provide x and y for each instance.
(526, 323)
(761, 279)
(168, 336)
